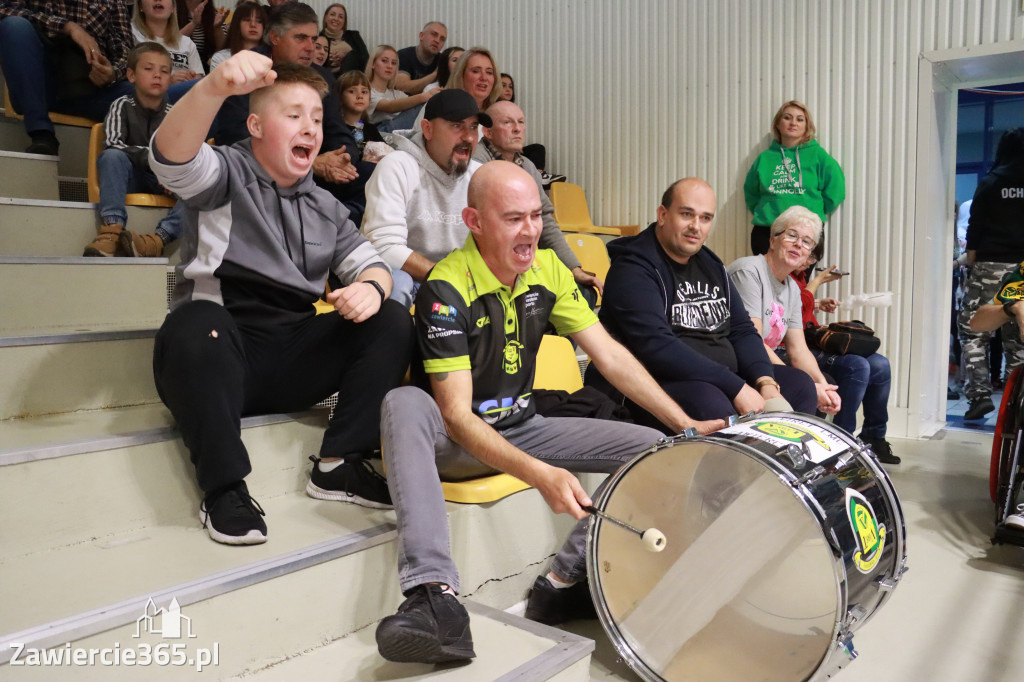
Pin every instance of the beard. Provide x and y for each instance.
(458, 168)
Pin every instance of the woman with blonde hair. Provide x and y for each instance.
(390, 108)
(157, 20)
(477, 73)
(794, 171)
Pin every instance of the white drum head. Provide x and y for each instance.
(746, 588)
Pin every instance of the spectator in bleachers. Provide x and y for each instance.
(498, 281)
(415, 198)
(391, 109)
(346, 50)
(320, 48)
(503, 140)
(793, 171)
(291, 30)
(245, 32)
(508, 89)
(995, 245)
(669, 300)
(201, 21)
(772, 298)
(862, 380)
(123, 166)
(444, 67)
(354, 90)
(259, 242)
(417, 64)
(156, 20)
(476, 73)
(68, 58)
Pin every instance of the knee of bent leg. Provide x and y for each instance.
(880, 369)
(403, 401)
(196, 335)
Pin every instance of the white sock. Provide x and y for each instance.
(557, 583)
(330, 466)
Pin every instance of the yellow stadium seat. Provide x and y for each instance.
(95, 147)
(572, 214)
(592, 252)
(63, 119)
(557, 369)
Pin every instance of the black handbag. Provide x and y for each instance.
(843, 338)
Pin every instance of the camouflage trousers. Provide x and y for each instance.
(982, 285)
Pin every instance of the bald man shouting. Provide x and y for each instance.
(481, 314)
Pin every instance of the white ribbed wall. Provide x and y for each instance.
(629, 96)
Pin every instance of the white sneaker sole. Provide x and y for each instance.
(253, 537)
(1015, 521)
(319, 493)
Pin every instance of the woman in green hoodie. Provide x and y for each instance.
(793, 171)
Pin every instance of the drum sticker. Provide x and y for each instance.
(869, 534)
(781, 432)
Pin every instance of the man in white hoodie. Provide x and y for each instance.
(414, 199)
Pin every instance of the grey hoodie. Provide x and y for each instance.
(262, 251)
(414, 205)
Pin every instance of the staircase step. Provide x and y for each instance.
(33, 227)
(46, 295)
(28, 176)
(109, 492)
(507, 648)
(68, 372)
(74, 145)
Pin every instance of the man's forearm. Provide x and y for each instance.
(418, 266)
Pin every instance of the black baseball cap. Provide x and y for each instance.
(454, 104)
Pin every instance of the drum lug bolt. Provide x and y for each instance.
(886, 583)
(795, 454)
(816, 472)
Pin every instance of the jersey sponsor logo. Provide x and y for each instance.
(443, 312)
(1013, 192)
(439, 333)
(483, 321)
(512, 357)
(700, 306)
(494, 410)
(1012, 292)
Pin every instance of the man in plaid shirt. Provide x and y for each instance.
(67, 56)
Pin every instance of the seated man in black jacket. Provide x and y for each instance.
(291, 32)
(669, 301)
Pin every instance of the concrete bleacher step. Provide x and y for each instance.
(79, 371)
(28, 176)
(74, 146)
(31, 227)
(95, 294)
(507, 648)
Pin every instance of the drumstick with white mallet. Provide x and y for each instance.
(653, 539)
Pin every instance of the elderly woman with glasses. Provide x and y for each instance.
(772, 298)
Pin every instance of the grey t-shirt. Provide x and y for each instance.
(775, 303)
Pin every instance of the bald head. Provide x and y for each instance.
(508, 130)
(684, 218)
(504, 216)
(684, 185)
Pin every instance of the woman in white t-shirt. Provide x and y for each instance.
(772, 298)
(156, 20)
(390, 108)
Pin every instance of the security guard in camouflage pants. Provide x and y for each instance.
(995, 245)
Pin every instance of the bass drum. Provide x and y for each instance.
(784, 535)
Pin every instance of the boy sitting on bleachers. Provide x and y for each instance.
(123, 166)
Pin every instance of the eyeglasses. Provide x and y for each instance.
(806, 242)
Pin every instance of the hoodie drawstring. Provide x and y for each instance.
(799, 182)
(284, 231)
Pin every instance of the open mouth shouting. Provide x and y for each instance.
(303, 153)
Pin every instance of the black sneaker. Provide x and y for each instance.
(430, 627)
(356, 482)
(549, 605)
(882, 450)
(232, 517)
(44, 143)
(547, 178)
(978, 408)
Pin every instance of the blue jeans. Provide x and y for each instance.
(860, 380)
(118, 176)
(404, 288)
(30, 68)
(401, 121)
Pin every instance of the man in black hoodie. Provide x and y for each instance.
(669, 301)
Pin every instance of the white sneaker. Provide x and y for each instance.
(1016, 520)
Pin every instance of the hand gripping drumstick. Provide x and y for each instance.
(653, 539)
